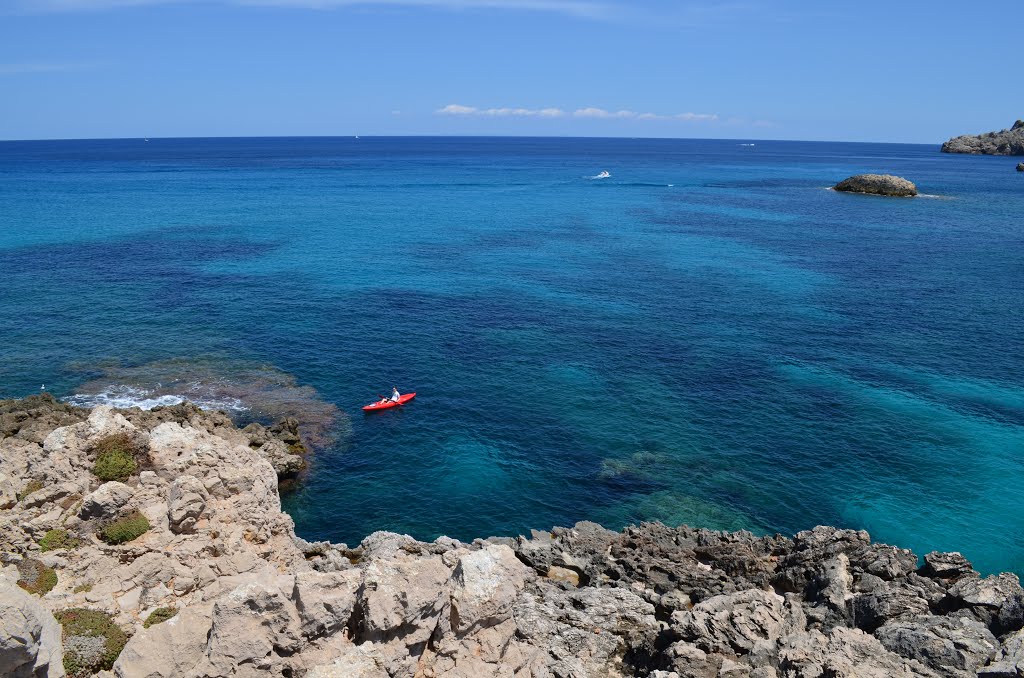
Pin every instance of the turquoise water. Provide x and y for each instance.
(708, 336)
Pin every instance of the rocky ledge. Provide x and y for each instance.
(877, 184)
(1005, 142)
(188, 567)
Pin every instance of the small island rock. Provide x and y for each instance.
(1020, 166)
(877, 184)
(1005, 142)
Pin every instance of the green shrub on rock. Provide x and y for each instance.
(58, 539)
(125, 529)
(36, 577)
(32, 486)
(92, 641)
(159, 615)
(114, 465)
(118, 456)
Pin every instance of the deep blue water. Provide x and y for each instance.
(707, 336)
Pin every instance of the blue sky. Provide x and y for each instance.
(871, 71)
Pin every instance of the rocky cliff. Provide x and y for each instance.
(187, 567)
(1006, 142)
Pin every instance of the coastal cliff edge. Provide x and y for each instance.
(186, 566)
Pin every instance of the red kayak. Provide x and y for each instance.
(379, 405)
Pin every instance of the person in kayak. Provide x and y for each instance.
(395, 395)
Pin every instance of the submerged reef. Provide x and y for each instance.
(211, 580)
(1005, 142)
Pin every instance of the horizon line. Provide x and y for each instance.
(467, 136)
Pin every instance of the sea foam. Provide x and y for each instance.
(124, 396)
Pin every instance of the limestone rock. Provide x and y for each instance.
(286, 463)
(831, 589)
(106, 501)
(401, 598)
(886, 604)
(48, 495)
(580, 549)
(563, 574)
(281, 444)
(844, 652)
(582, 632)
(186, 501)
(383, 546)
(325, 600)
(8, 494)
(997, 600)
(1020, 166)
(949, 645)
(877, 184)
(359, 661)
(485, 586)
(989, 592)
(951, 566)
(735, 623)
(1009, 663)
(30, 638)
(172, 648)
(254, 627)
(31, 419)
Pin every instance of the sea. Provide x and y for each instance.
(708, 335)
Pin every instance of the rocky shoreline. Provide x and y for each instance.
(188, 567)
(1005, 142)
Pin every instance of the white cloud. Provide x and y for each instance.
(457, 109)
(592, 112)
(588, 112)
(602, 113)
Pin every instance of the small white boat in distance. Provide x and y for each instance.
(603, 175)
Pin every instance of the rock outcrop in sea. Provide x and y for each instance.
(877, 184)
(186, 566)
(1020, 166)
(1005, 142)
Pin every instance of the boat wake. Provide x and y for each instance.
(603, 175)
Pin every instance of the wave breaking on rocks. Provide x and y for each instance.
(247, 391)
(185, 565)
